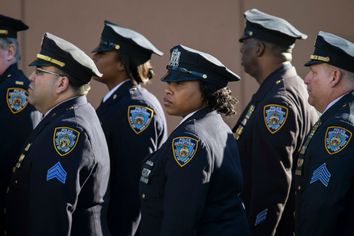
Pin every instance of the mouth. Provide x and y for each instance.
(167, 102)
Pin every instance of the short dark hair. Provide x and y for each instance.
(220, 100)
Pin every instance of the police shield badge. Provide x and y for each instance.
(17, 99)
(65, 140)
(336, 139)
(184, 149)
(274, 117)
(139, 117)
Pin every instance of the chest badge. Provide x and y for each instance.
(17, 99)
(184, 149)
(139, 117)
(274, 117)
(336, 139)
(65, 140)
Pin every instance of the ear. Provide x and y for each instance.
(336, 77)
(260, 48)
(62, 84)
(11, 52)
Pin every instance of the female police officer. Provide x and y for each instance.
(132, 119)
(190, 186)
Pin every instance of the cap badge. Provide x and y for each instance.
(174, 59)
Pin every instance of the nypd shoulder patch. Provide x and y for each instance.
(17, 99)
(275, 117)
(139, 117)
(336, 139)
(65, 140)
(184, 149)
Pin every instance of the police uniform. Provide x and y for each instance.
(59, 182)
(324, 174)
(270, 131)
(17, 117)
(191, 185)
(134, 124)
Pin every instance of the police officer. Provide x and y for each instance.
(191, 185)
(132, 119)
(325, 169)
(60, 180)
(17, 117)
(271, 129)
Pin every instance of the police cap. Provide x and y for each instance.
(334, 50)
(67, 57)
(127, 42)
(187, 64)
(270, 28)
(10, 26)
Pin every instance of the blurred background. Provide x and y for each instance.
(207, 25)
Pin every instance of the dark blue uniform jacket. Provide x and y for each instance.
(191, 185)
(135, 125)
(60, 180)
(325, 180)
(17, 120)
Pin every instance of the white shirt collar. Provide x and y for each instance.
(333, 102)
(110, 93)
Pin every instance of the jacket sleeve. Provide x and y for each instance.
(186, 186)
(274, 144)
(57, 180)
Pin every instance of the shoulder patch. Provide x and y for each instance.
(16, 99)
(65, 140)
(274, 117)
(184, 149)
(336, 139)
(139, 117)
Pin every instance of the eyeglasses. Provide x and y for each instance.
(40, 71)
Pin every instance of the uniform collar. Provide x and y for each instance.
(195, 114)
(111, 92)
(274, 78)
(8, 72)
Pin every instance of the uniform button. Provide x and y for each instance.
(21, 157)
(298, 188)
(8, 190)
(18, 165)
(143, 196)
(16, 182)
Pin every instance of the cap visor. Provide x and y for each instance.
(174, 76)
(312, 62)
(39, 62)
(102, 48)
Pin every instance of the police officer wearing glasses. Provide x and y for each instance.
(60, 180)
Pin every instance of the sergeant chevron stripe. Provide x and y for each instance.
(57, 172)
(322, 174)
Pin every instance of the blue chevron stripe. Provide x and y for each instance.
(261, 216)
(57, 172)
(322, 174)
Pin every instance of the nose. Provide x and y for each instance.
(307, 78)
(167, 89)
